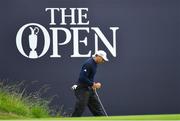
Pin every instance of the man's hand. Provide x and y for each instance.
(74, 87)
(96, 85)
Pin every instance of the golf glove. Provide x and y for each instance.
(74, 87)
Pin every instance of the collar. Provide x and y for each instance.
(94, 61)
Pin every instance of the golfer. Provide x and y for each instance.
(85, 88)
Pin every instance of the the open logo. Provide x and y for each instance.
(33, 40)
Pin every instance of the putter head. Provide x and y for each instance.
(74, 87)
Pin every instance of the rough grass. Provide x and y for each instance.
(14, 103)
(4, 115)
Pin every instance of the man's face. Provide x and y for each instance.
(99, 59)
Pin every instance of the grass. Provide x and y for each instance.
(133, 117)
(14, 103)
(4, 115)
(130, 117)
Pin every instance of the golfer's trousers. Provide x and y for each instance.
(86, 97)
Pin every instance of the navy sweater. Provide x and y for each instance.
(87, 73)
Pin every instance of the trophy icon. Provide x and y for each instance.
(33, 42)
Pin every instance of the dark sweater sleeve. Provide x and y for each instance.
(85, 72)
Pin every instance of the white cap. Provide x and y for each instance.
(102, 54)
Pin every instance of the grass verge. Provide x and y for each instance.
(14, 103)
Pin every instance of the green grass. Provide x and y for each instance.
(136, 117)
(16, 104)
(130, 117)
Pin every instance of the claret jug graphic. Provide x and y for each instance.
(33, 42)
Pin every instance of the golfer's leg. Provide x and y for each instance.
(82, 100)
(95, 106)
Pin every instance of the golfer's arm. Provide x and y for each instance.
(86, 72)
(87, 81)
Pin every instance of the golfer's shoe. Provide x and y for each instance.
(74, 87)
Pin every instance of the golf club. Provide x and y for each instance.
(101, 103)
